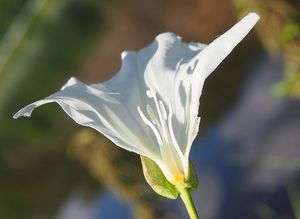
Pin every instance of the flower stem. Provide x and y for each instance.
(188, 202)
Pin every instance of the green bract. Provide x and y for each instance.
(159, 183)
(157, 180)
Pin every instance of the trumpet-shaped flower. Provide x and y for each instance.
(150, 106)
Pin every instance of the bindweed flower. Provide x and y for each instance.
(150, 106)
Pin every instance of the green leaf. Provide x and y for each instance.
(157, 180)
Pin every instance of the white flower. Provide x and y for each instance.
(150, 106)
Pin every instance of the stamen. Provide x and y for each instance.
(147, 122)
(150, 93)
(163, 109)
(151, 114)
(174, 141)
(162, 121)
(161, 124)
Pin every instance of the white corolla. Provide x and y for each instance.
(150, 106)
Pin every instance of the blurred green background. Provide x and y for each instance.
(43, 160)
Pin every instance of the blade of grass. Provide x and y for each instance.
(17, 31)
(294, 195)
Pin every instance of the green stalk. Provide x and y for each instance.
(188, 202)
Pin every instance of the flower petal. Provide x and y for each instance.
(104, 111)
(209, 59)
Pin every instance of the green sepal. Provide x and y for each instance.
(157, 180)
(192, 182)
